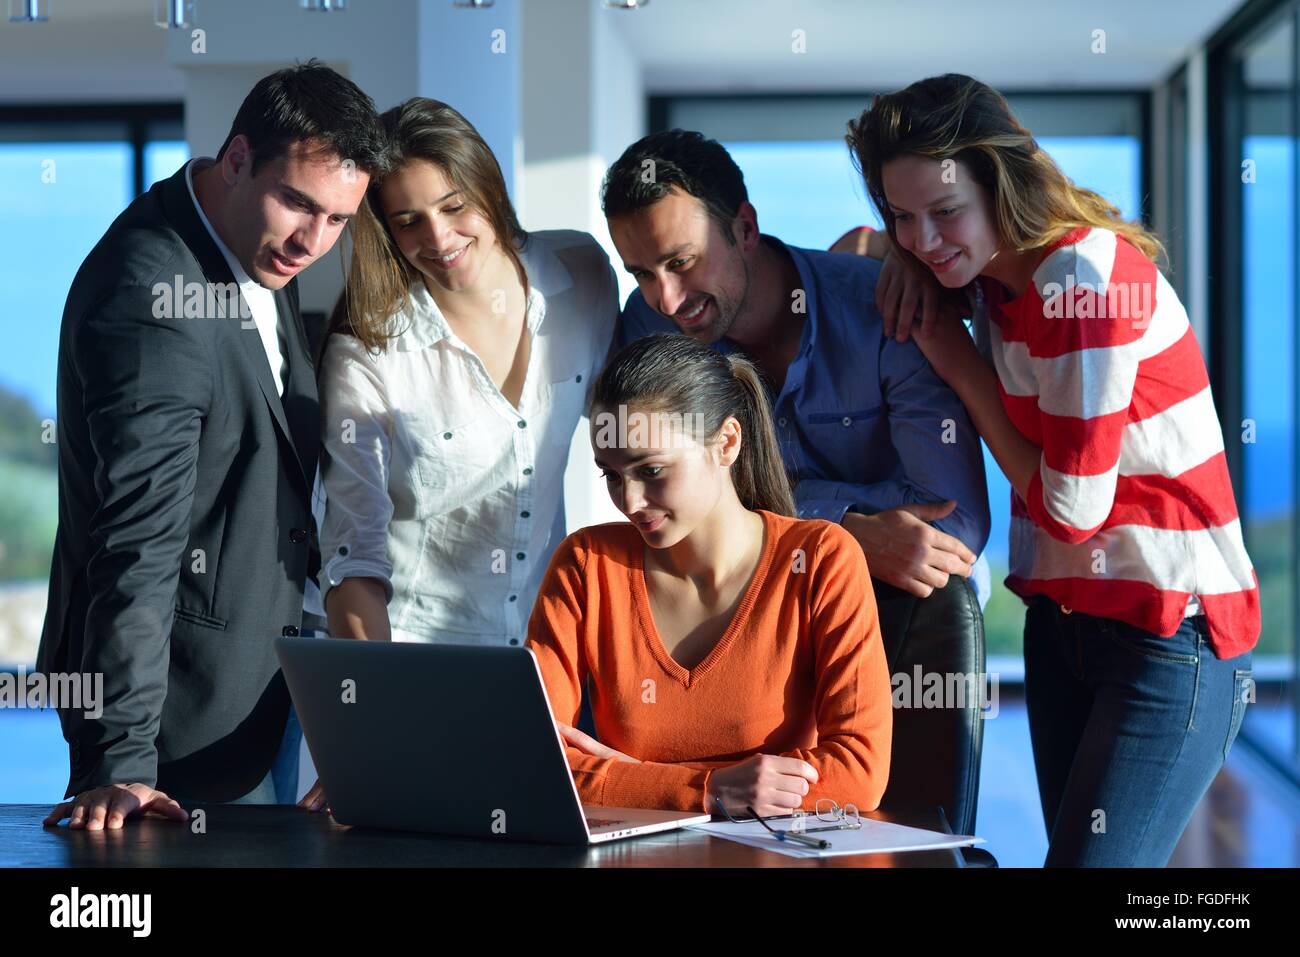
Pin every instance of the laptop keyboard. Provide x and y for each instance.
(602, 822)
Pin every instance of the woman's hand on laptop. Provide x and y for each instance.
(315, 799)
(769, 783)
(589, 745)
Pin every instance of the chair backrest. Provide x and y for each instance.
(937, 642)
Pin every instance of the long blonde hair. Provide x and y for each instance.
(957, 117)
(380, 277)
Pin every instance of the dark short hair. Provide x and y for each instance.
(309, 101)
(688, 160)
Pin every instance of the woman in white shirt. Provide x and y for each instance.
(451, 386)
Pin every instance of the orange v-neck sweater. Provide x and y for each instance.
(800, 671)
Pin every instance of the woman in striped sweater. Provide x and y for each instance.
(1087, 384)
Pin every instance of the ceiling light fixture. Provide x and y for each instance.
(173, 14)
(29, 11)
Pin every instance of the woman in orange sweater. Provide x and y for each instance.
(733, 652)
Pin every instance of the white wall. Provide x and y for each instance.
(583, 103)
(470, 59)
(116, 56)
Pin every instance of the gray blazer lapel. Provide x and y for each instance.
(255, 354)
(300, 405)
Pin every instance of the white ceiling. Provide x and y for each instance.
(89, 50)
(109, 50)
(864, 45)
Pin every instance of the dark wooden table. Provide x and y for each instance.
(286, 836)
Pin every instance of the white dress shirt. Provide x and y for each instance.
(434, 483)
(260, 300)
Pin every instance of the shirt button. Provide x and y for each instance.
(781, 422)
(523, 424)
(525, 514)
(579, 377)
(529, 470)
(519, 555)
(446, 435)
(514, 597)
(847, 421)
(514, 641)
(289, 631)
(297, 535)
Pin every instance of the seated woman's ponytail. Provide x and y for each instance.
(680, 376)
(759, 473)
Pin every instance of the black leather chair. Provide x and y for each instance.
(935, 758)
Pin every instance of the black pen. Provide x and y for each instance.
(814, 842)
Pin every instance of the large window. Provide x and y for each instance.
(1254, 183)
(65, 175)
(801, 180)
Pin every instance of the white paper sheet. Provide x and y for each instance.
(874, 837)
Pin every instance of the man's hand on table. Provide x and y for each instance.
(108, 807)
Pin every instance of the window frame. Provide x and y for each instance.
(659, 110)
(140, 123)
(1224, 107)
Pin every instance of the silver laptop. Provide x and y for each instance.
(451, 739)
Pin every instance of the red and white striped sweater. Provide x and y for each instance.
(1131, 513)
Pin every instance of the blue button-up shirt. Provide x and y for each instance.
(863, 421)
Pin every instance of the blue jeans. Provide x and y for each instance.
(1128, 729)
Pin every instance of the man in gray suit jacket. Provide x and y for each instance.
(187, 435)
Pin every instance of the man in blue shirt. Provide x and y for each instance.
(872, 438)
